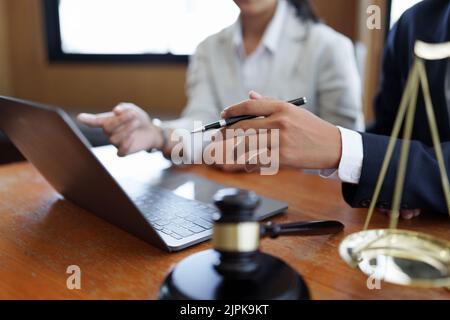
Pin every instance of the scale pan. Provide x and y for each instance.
(399, 256)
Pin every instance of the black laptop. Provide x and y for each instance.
(172, 212)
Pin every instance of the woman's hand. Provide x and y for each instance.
(128, 127)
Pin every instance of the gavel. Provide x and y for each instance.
(235, 268)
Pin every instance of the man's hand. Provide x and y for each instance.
(306, 141)
(128, 127)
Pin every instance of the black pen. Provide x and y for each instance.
(230, 121)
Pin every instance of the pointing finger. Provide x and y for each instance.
(94, 120)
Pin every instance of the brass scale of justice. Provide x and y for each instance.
(236, 269)
(400, 256)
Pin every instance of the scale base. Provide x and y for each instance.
(196, 278)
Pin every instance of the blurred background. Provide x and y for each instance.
(50, 53)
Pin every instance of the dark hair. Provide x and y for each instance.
(305, 10)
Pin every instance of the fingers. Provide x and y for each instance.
(254, 161)
(94, 120)
(241, 153)
(109, 121)
(251, 126)
(112, 124)
(249, 138)
(259, 107)
(123, 107)
(255, 95)
(126, 130)
(124, 148)
(250, 162)
(409, 214)
(119, 125)
(404, 214)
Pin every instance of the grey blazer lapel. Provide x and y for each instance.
(288, 55)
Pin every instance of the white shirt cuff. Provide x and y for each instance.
(352, 157)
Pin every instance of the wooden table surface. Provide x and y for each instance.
(41, 235)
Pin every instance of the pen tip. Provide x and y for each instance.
(198, 130)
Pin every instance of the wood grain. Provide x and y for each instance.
(5, 76)
(41, 235)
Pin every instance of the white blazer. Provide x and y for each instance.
(312, 60)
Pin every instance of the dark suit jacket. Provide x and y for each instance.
(422, 188)
(428, 21)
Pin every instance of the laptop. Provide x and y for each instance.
(168, 209)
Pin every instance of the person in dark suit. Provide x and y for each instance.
(308, 142)
(428, 21)
(355, 158)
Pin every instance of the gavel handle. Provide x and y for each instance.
(306, 228)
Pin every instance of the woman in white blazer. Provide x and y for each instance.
(276, 47)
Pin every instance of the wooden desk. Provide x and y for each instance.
(41, 235)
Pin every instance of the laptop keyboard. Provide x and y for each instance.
(173, 215)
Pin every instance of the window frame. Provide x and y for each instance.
(56, 54)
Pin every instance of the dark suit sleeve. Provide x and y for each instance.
(422, 188)
(395, 67)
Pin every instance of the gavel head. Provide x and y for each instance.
(236, 233)
(235, 269)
